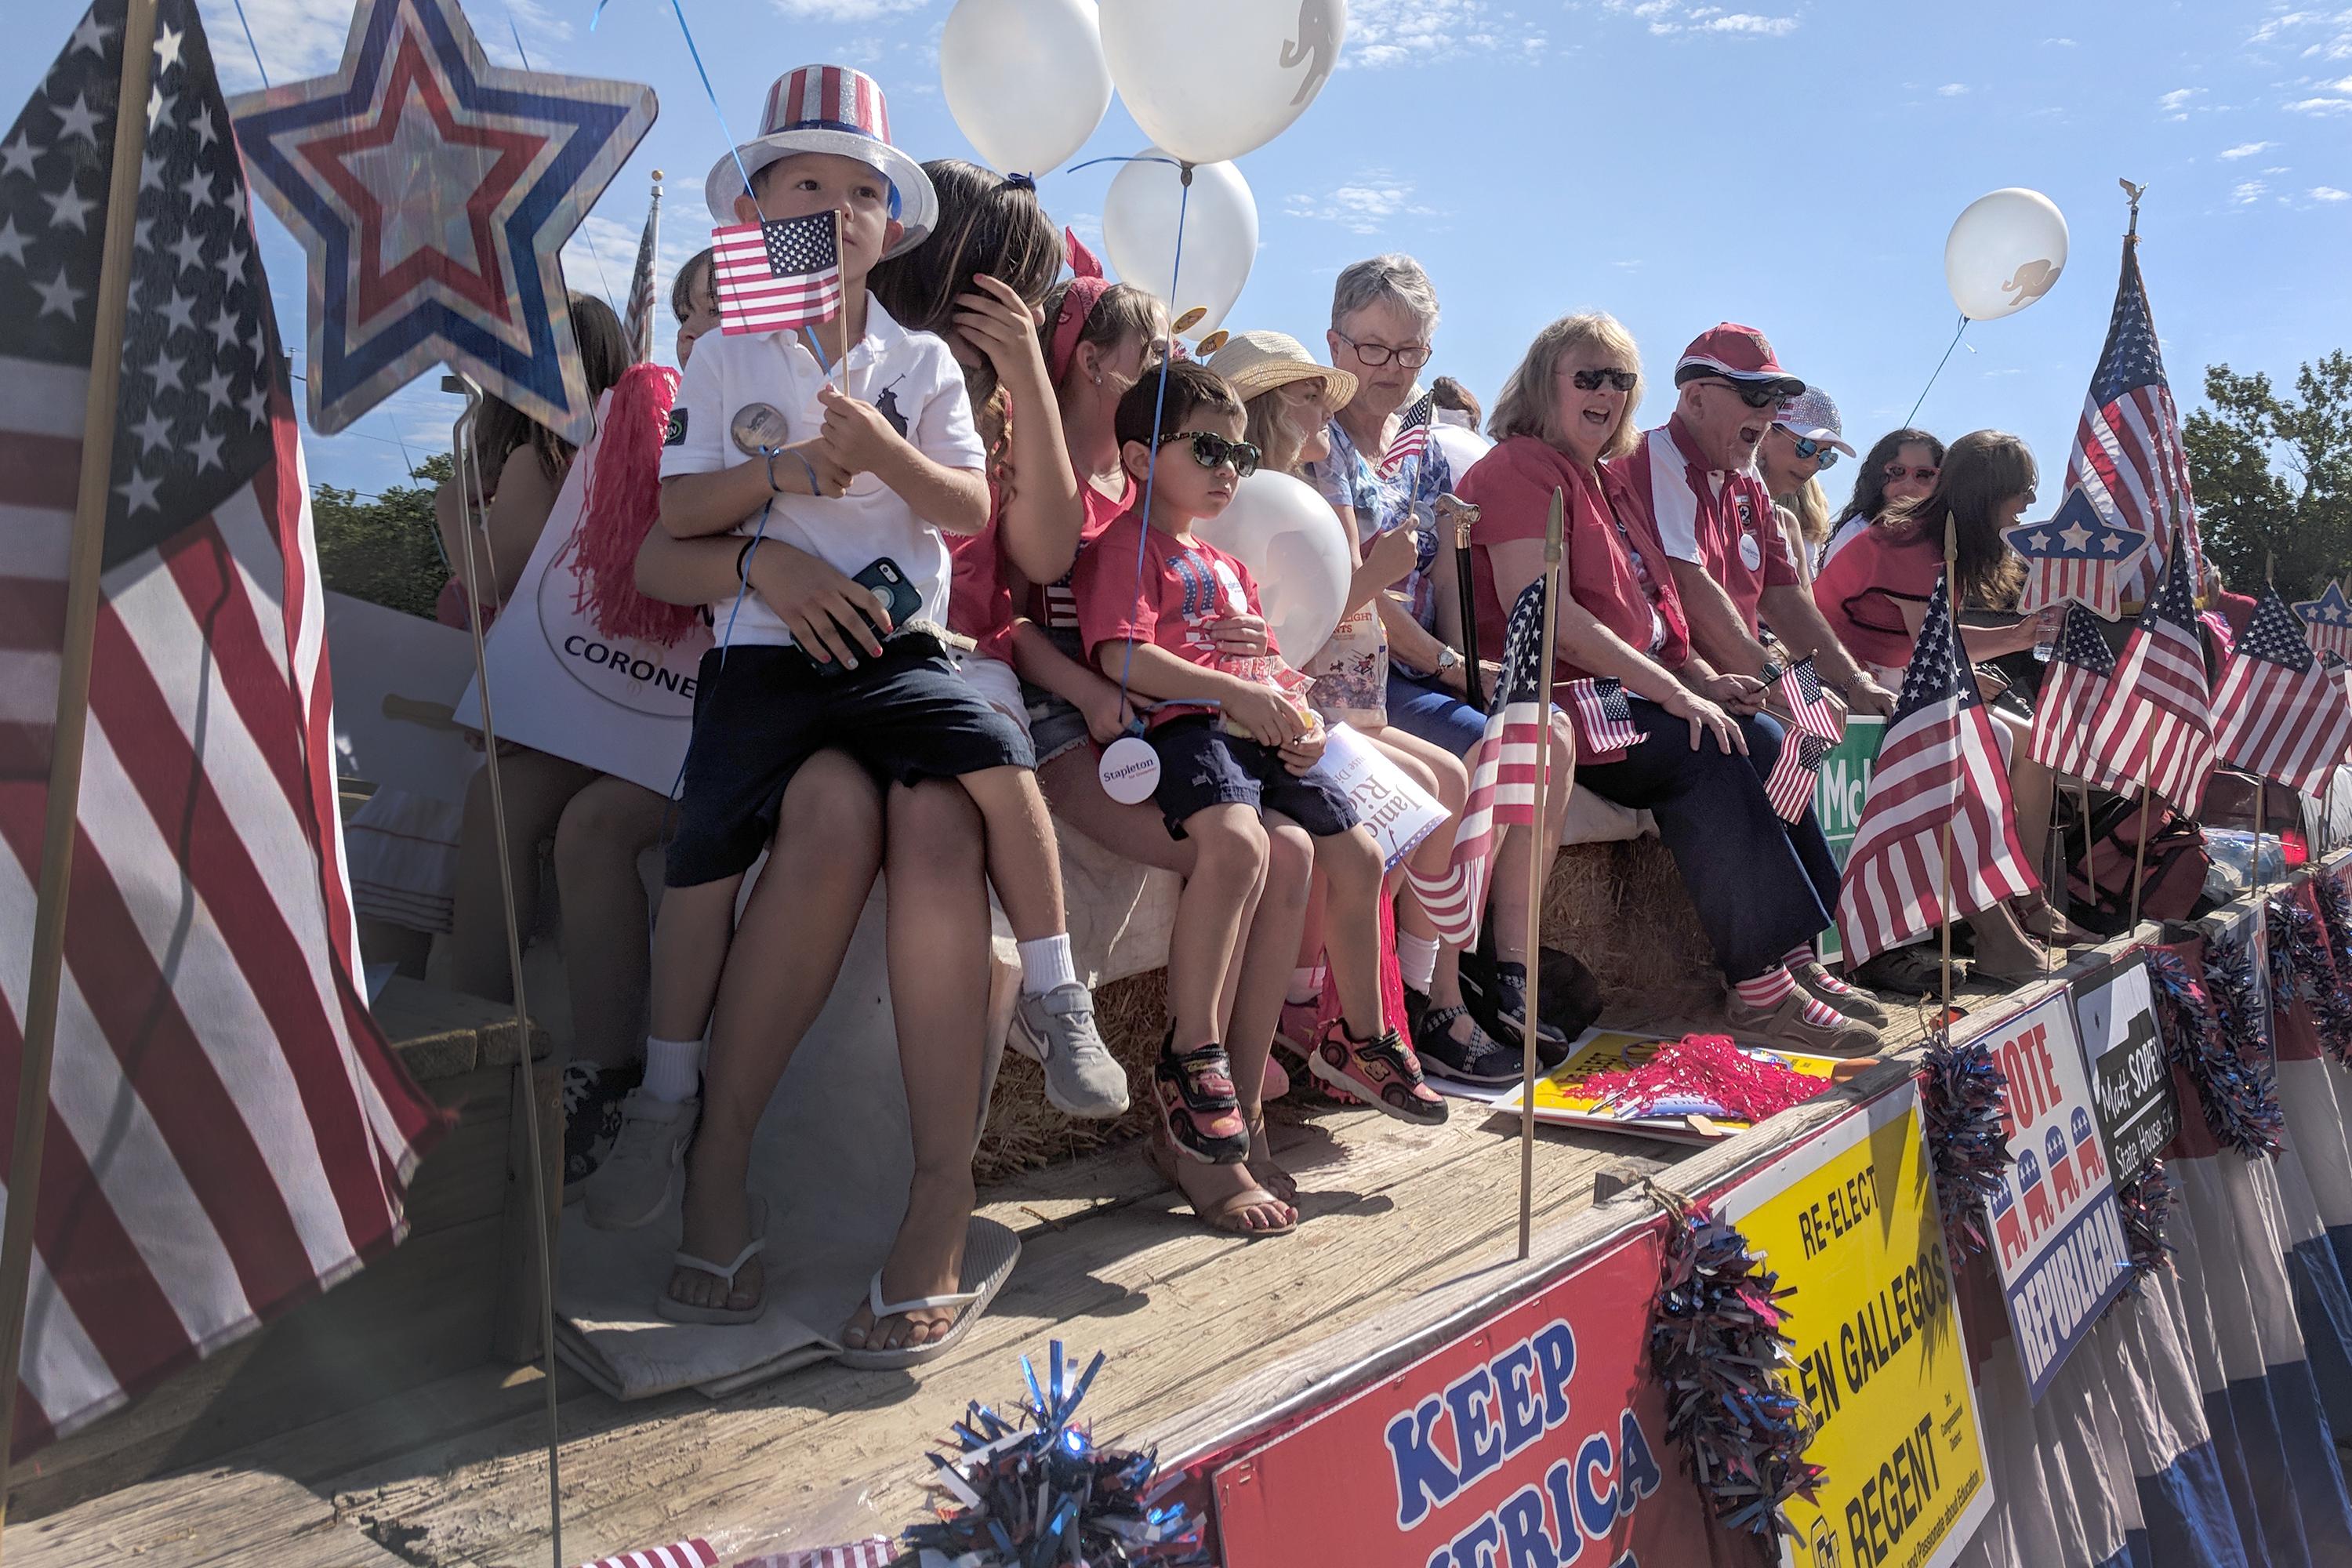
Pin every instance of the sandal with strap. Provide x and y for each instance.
(990, 1251)
(1223, 1217)
(679, 1311)
(1194, 1091)
(1281, 1182)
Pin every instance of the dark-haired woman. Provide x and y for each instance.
(1902, 466)
(1874, 592)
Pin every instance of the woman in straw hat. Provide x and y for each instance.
(1290, 400)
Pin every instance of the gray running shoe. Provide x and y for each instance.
(1082, 1078)
(631, 1187)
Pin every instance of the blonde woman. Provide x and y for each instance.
(1289, 400)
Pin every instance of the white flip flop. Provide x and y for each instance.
(679, 1311)
(990, 1251)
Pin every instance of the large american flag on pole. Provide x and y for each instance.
(2281, 713)
(1503, 770)
(637, 326)
(772, 276)
(2131, 469)
(1939, 766)
(2154, 725)
(2082, 666)
(229, 1133)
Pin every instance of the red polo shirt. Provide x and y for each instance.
(1716, 518)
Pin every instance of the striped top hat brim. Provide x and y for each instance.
(836, 109)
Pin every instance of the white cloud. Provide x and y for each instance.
(2329, 193)
(2060, 43)
(2174, 103)
(2247, 194)
(1415, 32)
(2330, 32)
(1363, 205)
(1667, 18)
(2247, 149)
(2321, 106)
(845, 10)
(1952, 90)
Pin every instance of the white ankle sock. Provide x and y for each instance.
(673, 1069)
(1417, 957)
(1047, 964)
(1306, 986)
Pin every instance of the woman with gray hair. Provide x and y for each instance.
(1383, 313)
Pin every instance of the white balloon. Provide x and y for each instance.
(1220, 234)
(2004, 253)
(1025, 80)
(1212, 79)
(1293, 544)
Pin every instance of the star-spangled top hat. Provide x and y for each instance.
(829, 109)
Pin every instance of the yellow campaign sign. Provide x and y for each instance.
(1560, 1098)
(1848, 1218)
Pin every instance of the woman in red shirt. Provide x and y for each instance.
(1763, 887)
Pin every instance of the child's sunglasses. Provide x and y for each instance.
(1808, 447)
(1209, 449)
(1592, 380)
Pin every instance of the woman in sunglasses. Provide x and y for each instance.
(1803, 444)
(1671, 748)
(1902, 466)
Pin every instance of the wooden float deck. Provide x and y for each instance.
(1404, 1227)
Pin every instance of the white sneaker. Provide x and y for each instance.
(631, 1187)
(1082, 1078)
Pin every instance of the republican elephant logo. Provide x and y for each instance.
(2036, 1195)
(2064, 1185)
(2008, 1225)
(2089, 1158)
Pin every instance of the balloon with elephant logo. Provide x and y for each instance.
(1212, 79)
(1025, 80)
(1293, 544)
(1140, 223)
(2005, 252)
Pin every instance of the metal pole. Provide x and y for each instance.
(468, 461)
(63, 805)
(1952, 613)
(1537, 864)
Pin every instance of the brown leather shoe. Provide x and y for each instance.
(1852, 1001)
(1786, 1026)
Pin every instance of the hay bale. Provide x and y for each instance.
(1620, 908)
(1024, 1132)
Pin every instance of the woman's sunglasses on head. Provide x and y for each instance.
(1209, 449)
(1593, 380)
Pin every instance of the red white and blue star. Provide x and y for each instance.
(433, 192)
(2327, 621)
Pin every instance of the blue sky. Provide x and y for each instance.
(1794, 166)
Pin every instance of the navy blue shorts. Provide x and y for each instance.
(1201, 766)
(1426, 708)
(759, 712)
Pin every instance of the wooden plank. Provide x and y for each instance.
(517, 1319)
(242, 1517)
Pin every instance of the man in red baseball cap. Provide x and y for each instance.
(1729, 558)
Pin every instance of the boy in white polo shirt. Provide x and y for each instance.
(764, 442)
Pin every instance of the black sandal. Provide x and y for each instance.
(1194, 1092)
(1480, 1059)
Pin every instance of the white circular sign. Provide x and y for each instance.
(1751, 554)
(1129, 770)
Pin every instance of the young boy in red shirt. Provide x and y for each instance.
(1235, 750)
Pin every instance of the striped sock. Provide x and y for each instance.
(1769, 989)
(1822, 977)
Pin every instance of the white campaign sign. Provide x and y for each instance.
(559, 686)
(1399, 813)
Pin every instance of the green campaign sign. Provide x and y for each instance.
(1838, 793)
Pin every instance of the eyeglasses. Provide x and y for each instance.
(1755, 395)
(1808, 447)
(1895, 473)
(1209, 449)
(1412, 356)
(1593, 380)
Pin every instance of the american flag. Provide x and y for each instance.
(2081, 667)
(637, 326)
(678, 1554)
(1790, 787)
(874, 1552)
(229, 1133)
(1412, 436)
(2077, 555)
(2327, 621)
(1502, 769)
(1603, 717)
(1801, 690)
(2127, 461)
(1939, 765)
(2280, 714)
(772, 276)
(2154, 724)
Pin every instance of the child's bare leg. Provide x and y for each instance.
(1229, 851)
(794, 932)
(1263, 976)
(938, 991)
(1024, 861)
(1351, 865)
(535, 788)
(606, 924)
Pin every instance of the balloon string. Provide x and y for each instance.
(1126, 158)
(708, 92)
(1939, 369)
(1158, 406)
(251, 44)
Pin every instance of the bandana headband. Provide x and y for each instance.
(1079, 303)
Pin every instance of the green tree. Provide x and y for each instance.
(2273, 475)
(386, 550)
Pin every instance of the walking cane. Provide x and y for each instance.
(1465, 517)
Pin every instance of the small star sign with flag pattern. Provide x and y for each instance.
(433, 192)
(2329, 621)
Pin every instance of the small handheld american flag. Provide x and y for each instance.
(774, 276)
(2155, 725)
(1790, 787)
(2081, 664)
(1604, 717)
(1801, 689)
(1412, 437)
(2280, 713)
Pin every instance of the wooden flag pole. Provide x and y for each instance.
(2139, 854)
(59, 829)
(842, 316)
(1537, 867)
(1944, 901)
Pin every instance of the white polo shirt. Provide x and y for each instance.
(911, 374)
